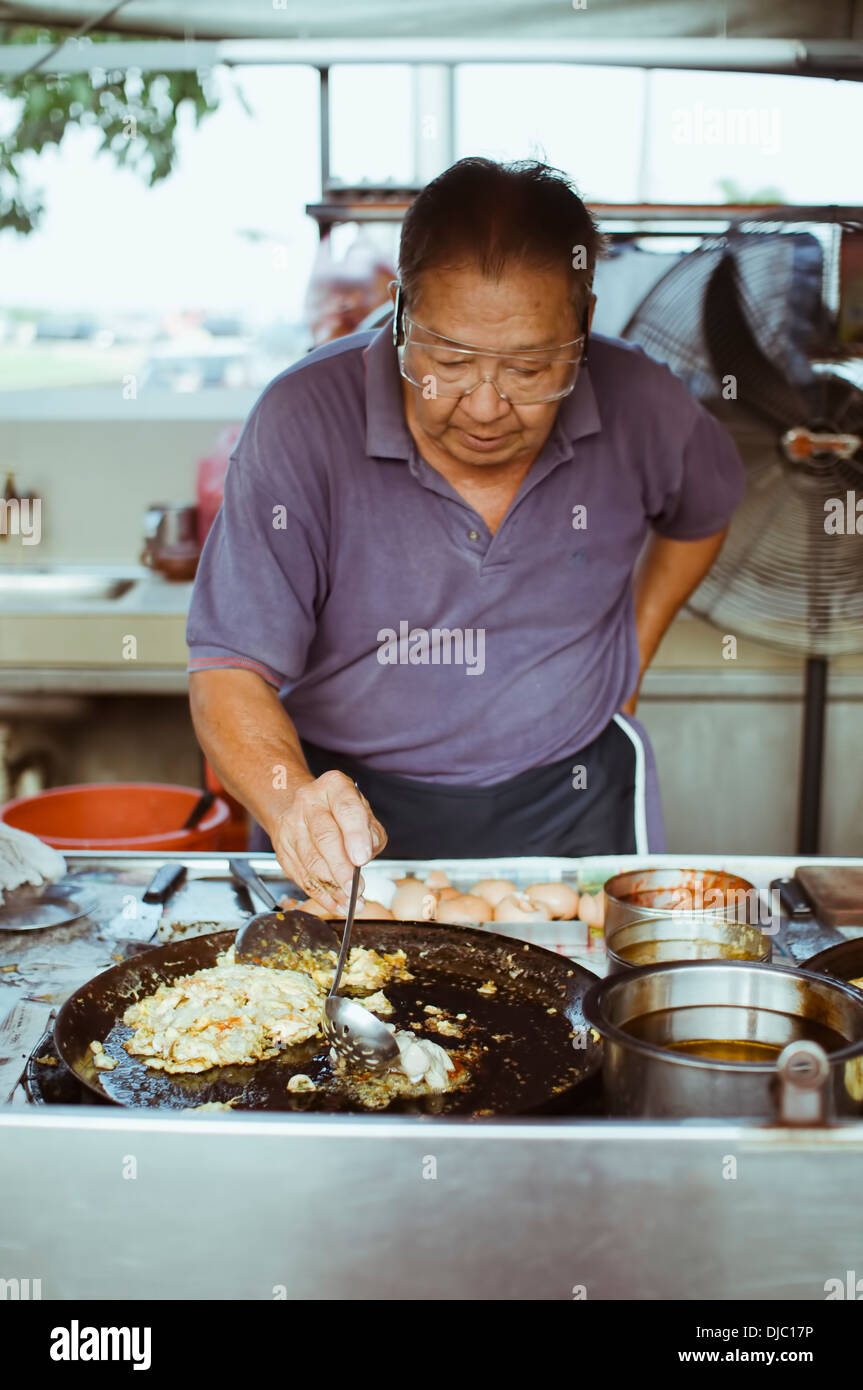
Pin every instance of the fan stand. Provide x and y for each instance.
(812, 756)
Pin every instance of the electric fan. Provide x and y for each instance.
(737, 320)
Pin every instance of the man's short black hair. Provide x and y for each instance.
(492, 215)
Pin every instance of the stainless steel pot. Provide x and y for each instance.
(642, 893)
(645, 1014)
(655, 940)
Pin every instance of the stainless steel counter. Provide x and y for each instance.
(123, 1205)
(104, 1203)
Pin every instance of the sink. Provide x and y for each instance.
(61, 586)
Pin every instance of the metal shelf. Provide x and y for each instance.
(382, 204)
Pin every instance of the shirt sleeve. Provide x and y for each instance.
(702, 482)
(263, 568)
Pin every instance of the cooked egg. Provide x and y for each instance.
(423, 1060)
(378, 1003)
(234, 1014)
(101, 1060)
(209, 1105)
(228, 1014)
(301, 1082)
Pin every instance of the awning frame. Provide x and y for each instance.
(837, 59)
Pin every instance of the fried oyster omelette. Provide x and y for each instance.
(234, 1014)
(225, 1015)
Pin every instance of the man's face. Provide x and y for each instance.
(526, 308)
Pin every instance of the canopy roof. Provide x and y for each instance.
(431, 19)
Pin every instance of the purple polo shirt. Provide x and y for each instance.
(347, 572)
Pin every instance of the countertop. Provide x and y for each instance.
(557, 1208)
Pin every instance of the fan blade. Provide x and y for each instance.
(734, 352)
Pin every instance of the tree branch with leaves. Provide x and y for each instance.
(137, 113)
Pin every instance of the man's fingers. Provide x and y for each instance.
(352, 814)
(328, 842)
(313, 873)
(379, 836)
(329, 831)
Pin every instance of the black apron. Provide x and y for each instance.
(582, 805)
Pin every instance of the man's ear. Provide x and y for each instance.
(590, 308)
(393, 288)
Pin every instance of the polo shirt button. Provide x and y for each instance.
(473, 535)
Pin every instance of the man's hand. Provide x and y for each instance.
(320, 828)
(326, 831)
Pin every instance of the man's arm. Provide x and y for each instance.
(320, 828)
(668, 572)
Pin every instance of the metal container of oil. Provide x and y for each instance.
(641, 893)
(656, 940)
(705, 1038)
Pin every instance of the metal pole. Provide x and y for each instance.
(812, 756)
(644, 169)
(324, 99)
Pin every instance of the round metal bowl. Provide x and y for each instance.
(741, 1008)
(657, 940)
(641, 893)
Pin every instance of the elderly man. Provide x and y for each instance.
(447, 553)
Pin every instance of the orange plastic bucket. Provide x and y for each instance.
(119, 816)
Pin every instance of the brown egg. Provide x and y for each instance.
(316, 909)
(493, 889)
(560, 900)
(443, 894)
(518, 907)
(437, 879)
(464, 911)
(374, 912)
(591, 909)
(406, 905)
(369, 912)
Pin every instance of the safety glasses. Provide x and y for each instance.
(441, 366)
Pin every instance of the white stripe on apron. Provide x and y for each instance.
(639, 800)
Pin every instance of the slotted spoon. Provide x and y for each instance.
(357, 1037)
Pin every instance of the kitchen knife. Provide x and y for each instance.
(148, 911)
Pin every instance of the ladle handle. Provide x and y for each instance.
(245, 874)
(346, 934)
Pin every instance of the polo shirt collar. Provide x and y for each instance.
(387, 433)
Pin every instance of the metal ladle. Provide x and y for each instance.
(358, 1038)
(271, 938)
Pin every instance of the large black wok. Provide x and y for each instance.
(844, 961)
(518, 1043)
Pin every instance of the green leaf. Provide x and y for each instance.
(48, 101)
